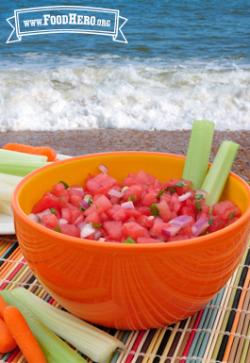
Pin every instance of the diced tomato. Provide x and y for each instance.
(148, 240)
(158, 225)
(216, 223)
(189, 208)
(90, 210)
(63, 200)
(226, 210)
(102, 203)
(178, 186)
(144, 221)
(149, 198)
(70, 229)
(46, 202)
(113, 229)
(134, 192)
(134, 230)
(178, 237)
(49, 220)
(79, 219)
(94, 217)
(132, 212)
(175, 204)
(71, 214)
(164, 211)
(101, 183)
(117, 213)
(154, 205)
(139, 178)
(66, 213)
(144, 210)
(75, 199)
(104, 217)
(186, 232)
(76, 190)
(59, 190)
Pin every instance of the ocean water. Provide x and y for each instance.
(184, 60)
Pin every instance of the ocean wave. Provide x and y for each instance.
(134, 94)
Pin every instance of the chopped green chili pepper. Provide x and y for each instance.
(210, 221)
(231, 216)
(199, 196)
(64, 183)
(52, 211)
(180, 184)
(97, 225)
(154, 210)
(171, 189)
(198, 205)
(131, 198)
(161, 192)
(129, 240)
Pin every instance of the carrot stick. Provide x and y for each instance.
(7, 342)
(29, 149)
(23, 335)
(3, 305)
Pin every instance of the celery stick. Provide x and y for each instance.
(219, 171)
(55, 349)
(9, 155)
(199, 148)
(5, 208)
(10, 179)
(6, 191)
(8, 184)
(89, 340)
(20, 167)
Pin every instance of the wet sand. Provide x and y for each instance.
(97, 140)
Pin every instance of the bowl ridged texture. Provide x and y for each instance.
(124, 286)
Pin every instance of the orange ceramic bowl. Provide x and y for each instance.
(121, 285)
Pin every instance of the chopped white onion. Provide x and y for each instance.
(202, 192)
(128, 205)
(103, 168)
(43, 213)
(77, 189)
(200, 226)
(84, 204)
(97, 235)
(33, 217)
(115, 193)
(63, 221)
(176, 225)
(171, 231)
(185, 196)
(181, 221)
(88, 198)
(87, 230)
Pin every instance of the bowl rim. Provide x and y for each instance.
(116, 245)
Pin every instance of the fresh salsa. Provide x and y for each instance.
(140, 209)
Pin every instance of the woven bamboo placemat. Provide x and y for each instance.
(219, 333)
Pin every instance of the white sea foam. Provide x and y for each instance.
(124, 95)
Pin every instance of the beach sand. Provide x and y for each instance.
(97, 140)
